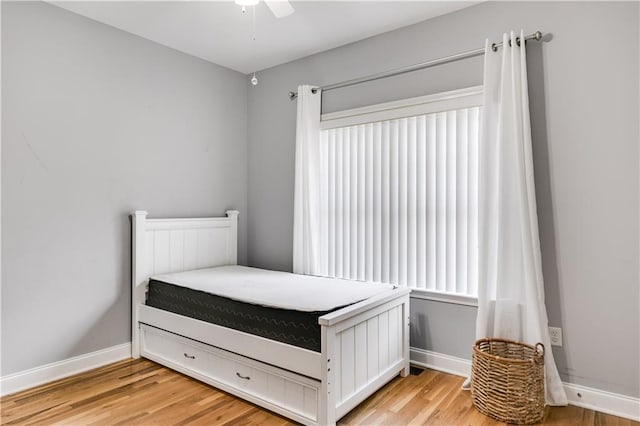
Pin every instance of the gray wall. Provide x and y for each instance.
(96, 123)
(584, 111)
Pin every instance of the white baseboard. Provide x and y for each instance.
(441, 362)
(57, 370)
(607, 402)
(594, 399)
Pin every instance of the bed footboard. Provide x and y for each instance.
(363, 346)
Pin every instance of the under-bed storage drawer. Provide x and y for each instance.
(278, 390)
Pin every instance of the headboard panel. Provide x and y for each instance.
(174, 245)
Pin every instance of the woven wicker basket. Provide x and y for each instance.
(507, 380)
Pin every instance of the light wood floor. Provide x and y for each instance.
(140, 392)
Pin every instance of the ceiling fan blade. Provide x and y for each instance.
(280, 8)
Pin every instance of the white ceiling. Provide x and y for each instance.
(217, 31)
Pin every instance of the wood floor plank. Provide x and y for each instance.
(141, 392)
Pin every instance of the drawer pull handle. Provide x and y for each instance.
(189, 356)
(243, 377)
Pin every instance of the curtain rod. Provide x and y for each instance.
(390, 73)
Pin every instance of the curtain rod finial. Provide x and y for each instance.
(538, 35)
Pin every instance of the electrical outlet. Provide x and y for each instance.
(556, 336)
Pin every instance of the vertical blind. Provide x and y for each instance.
(399, 201)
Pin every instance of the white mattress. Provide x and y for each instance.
(275, 289)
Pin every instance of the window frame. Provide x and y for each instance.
(421, 105)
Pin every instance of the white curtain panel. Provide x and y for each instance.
(511, 288)
(307, 241)
(400, 201)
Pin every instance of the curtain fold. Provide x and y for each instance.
(510, 288)
(307, 241)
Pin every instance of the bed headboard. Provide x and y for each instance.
(174, 245)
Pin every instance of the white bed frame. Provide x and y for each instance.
(363, 345)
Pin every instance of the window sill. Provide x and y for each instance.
(437, 296)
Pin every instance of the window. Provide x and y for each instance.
(399, 193)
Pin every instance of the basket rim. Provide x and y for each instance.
(537, 354)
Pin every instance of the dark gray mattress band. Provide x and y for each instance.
(288, 326)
